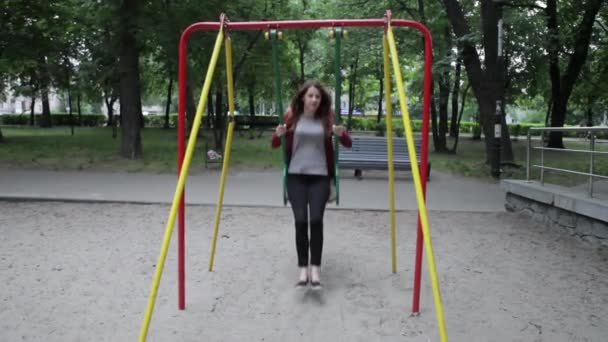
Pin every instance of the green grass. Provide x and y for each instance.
(95, 149)
(470, 161)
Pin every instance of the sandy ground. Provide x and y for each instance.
(82, 272)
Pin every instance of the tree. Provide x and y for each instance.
(130, 95)
(32, 35)
(563, 85)
(487, 80)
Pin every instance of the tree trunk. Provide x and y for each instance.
(487, 82)
(190, 106)
(506, 148)
(561, 87)
(589, 116)
(487, 105)
(477, 133)
(32, 107)
(554, 71)
(251, 96)
(434, 126)
(70, 108)
(548, 113)
(444, 94)
(454, 124)
(34, 90)
(46, 109)
(1, 136)
(218, 131)
(168, 102)
(210, 111)
(109, 101)
(78, 104)
(45, 119)
(130, 89)
(464, 99)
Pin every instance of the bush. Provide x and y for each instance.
(380, 128)
(60, 119)
(476, 129)
(399, 131)
(15, 119)
(359, 123)
(88, 120)
(467, 126)
(514, 130)
(158, 120)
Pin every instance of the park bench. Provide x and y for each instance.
(371, 153)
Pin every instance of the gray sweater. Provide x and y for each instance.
(308, 151)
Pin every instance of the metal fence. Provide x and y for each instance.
(586, 132)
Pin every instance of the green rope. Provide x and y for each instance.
(338, 91)
(279, 104)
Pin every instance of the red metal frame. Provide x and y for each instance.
(294, 24)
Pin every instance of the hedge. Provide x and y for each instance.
(61, 119)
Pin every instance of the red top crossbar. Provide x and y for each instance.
(293, 24)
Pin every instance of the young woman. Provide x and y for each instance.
(308, 128)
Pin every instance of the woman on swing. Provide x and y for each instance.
(308, 127)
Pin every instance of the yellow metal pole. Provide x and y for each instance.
(180, 187)
(389, 132)
(226, 161)
(417, 182)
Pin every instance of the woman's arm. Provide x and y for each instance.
(276, 140)
(342, 132)
(281, 130)
(345, 139)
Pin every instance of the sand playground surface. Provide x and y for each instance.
(82, 272)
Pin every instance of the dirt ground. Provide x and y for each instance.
(82, 272)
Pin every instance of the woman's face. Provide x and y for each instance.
(312, 100)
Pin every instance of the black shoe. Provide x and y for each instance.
(316, 285)
(302, 284)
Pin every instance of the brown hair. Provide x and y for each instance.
(324, 112)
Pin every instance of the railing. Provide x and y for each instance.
(589, 132)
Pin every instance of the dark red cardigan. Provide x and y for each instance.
(345, 140)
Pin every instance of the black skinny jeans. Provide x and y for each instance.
(308, 192)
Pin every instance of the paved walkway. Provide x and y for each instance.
(245, 188)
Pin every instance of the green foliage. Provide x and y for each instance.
(475, 129)
(536, 117)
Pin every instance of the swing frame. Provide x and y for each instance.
(185, 154)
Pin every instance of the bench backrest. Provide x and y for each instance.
(378, 145)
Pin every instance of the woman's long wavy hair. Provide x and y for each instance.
(324, 112)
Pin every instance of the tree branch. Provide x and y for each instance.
(410, 11)
(601, 25)
(470, 56)
(529, 5)
(246, 54)
(581, 47)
